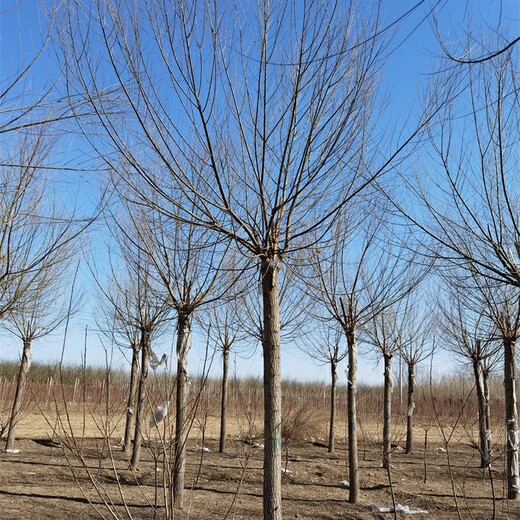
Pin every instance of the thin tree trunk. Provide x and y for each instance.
(181, 426)
(487, 403)
(481, 401)
(141, 395)
(513, 477)
(387, 411)
(411, 408)
(223, 399)
(272, 490)
(18, 398)
(333, 383)
(353, 465)
(131, 400)
(400, 382)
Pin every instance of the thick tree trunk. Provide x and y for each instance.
(481, 401)
(131, 400)
(387, 411)
(513, 477)
(223, 399)
(411, 408)
(272, 495)
(333, 384)
(353, 469)
(141, 396)
(18, 397)
(181, 423)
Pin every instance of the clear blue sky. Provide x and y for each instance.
(415, 55)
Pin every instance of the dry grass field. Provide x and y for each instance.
(70, 464)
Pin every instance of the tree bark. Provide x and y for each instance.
(411, 408)
(131, 400)
(141, 396)
(353, 469)
(181, 423)
(487, 402)
(333, 384)
(18, 397)
(272, 496)
(478, 372)
(513, 477)
(223, 399)
(387, 411)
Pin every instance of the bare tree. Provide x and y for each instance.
(225, 329)
(136, 308)
(326, 348)
(189, 262)
(416, 344)
(384, 333)
(473, 337)
(245, 121)
(470, 211)
(394, 331)
(502, 305)
(355, 279)
(38, 312)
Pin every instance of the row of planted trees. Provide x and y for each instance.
(249, 158)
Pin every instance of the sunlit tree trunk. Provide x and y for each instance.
(18, 398)
(223, 398)
(272, 495)
(141, 396)
(181, 416)
(353, 471)
(513, 477)
(387, 411)
(333, 384)
(478, 372)
(411, 407)
(487, 402)
(131, 400)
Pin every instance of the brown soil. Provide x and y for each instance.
(59, 476)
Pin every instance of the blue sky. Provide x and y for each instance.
(416, 54)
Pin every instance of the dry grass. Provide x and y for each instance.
(75, 427)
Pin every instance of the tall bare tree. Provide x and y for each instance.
(190, 263)
(469, 212)
(251, 120)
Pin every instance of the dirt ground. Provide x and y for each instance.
(59, 476)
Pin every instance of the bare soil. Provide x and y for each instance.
(82, 474)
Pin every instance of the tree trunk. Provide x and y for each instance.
(387, 411)
(272, 496)
(18, 398)
(353, 471)
(487, 403)
(411, 408)
(481, 401)
(131, 400)
(181, 423)
(333, 383)
(513, 477)
(141, 396)
(223, 399)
